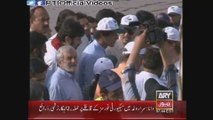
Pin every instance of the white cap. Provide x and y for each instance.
(172, 33)
(102, 64)
(174, 9)
(127, 19)
(107, 24)
(129, 46)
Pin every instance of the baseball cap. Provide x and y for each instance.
(102, 64)
(107, 24)
(172, 33)
(129, 46)
(174, 9)
(110, 81)
(129, 20)
(128, 23)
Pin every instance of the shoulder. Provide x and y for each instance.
(152, 85)
(58, 74)
(87, 58)
(89, 48)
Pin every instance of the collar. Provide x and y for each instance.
(148, 74)
(65, 73)
(98, 45)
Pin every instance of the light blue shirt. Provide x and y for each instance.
(63, 86)
(87, 60)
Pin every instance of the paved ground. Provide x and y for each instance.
(124, 6)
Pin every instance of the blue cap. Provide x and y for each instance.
(110, 81)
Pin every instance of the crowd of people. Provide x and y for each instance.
(110, 57)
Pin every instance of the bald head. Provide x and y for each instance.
(39, 20)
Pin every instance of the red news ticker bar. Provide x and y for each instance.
(102, 110)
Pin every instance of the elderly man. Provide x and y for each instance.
(63, 85)
(69, 34)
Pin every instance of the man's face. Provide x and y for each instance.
(110, 40)
(92, 27)
(76, 42)
(69, 61)
(85, 24)
(41, 21)
(39, 52)
(167, 45)
(127, 36)
(175, 18)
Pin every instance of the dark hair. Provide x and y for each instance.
(113, 59)
(113, 95)
(80, 15)
(152, 59)
(98, 34)
(36, 90)
(91, 19)
(145, 16)
(70, 28)
(32, 11)
(105, 13)
(36, 40)
(119, 15)
(61, 17)
(37, 66)
(123, 58)
(162, 20)
(104, 93)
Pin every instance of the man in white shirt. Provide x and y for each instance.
(50, 54)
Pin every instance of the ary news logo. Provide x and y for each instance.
(164, 101)
(35, 2)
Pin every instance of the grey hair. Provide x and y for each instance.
(61, 50)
